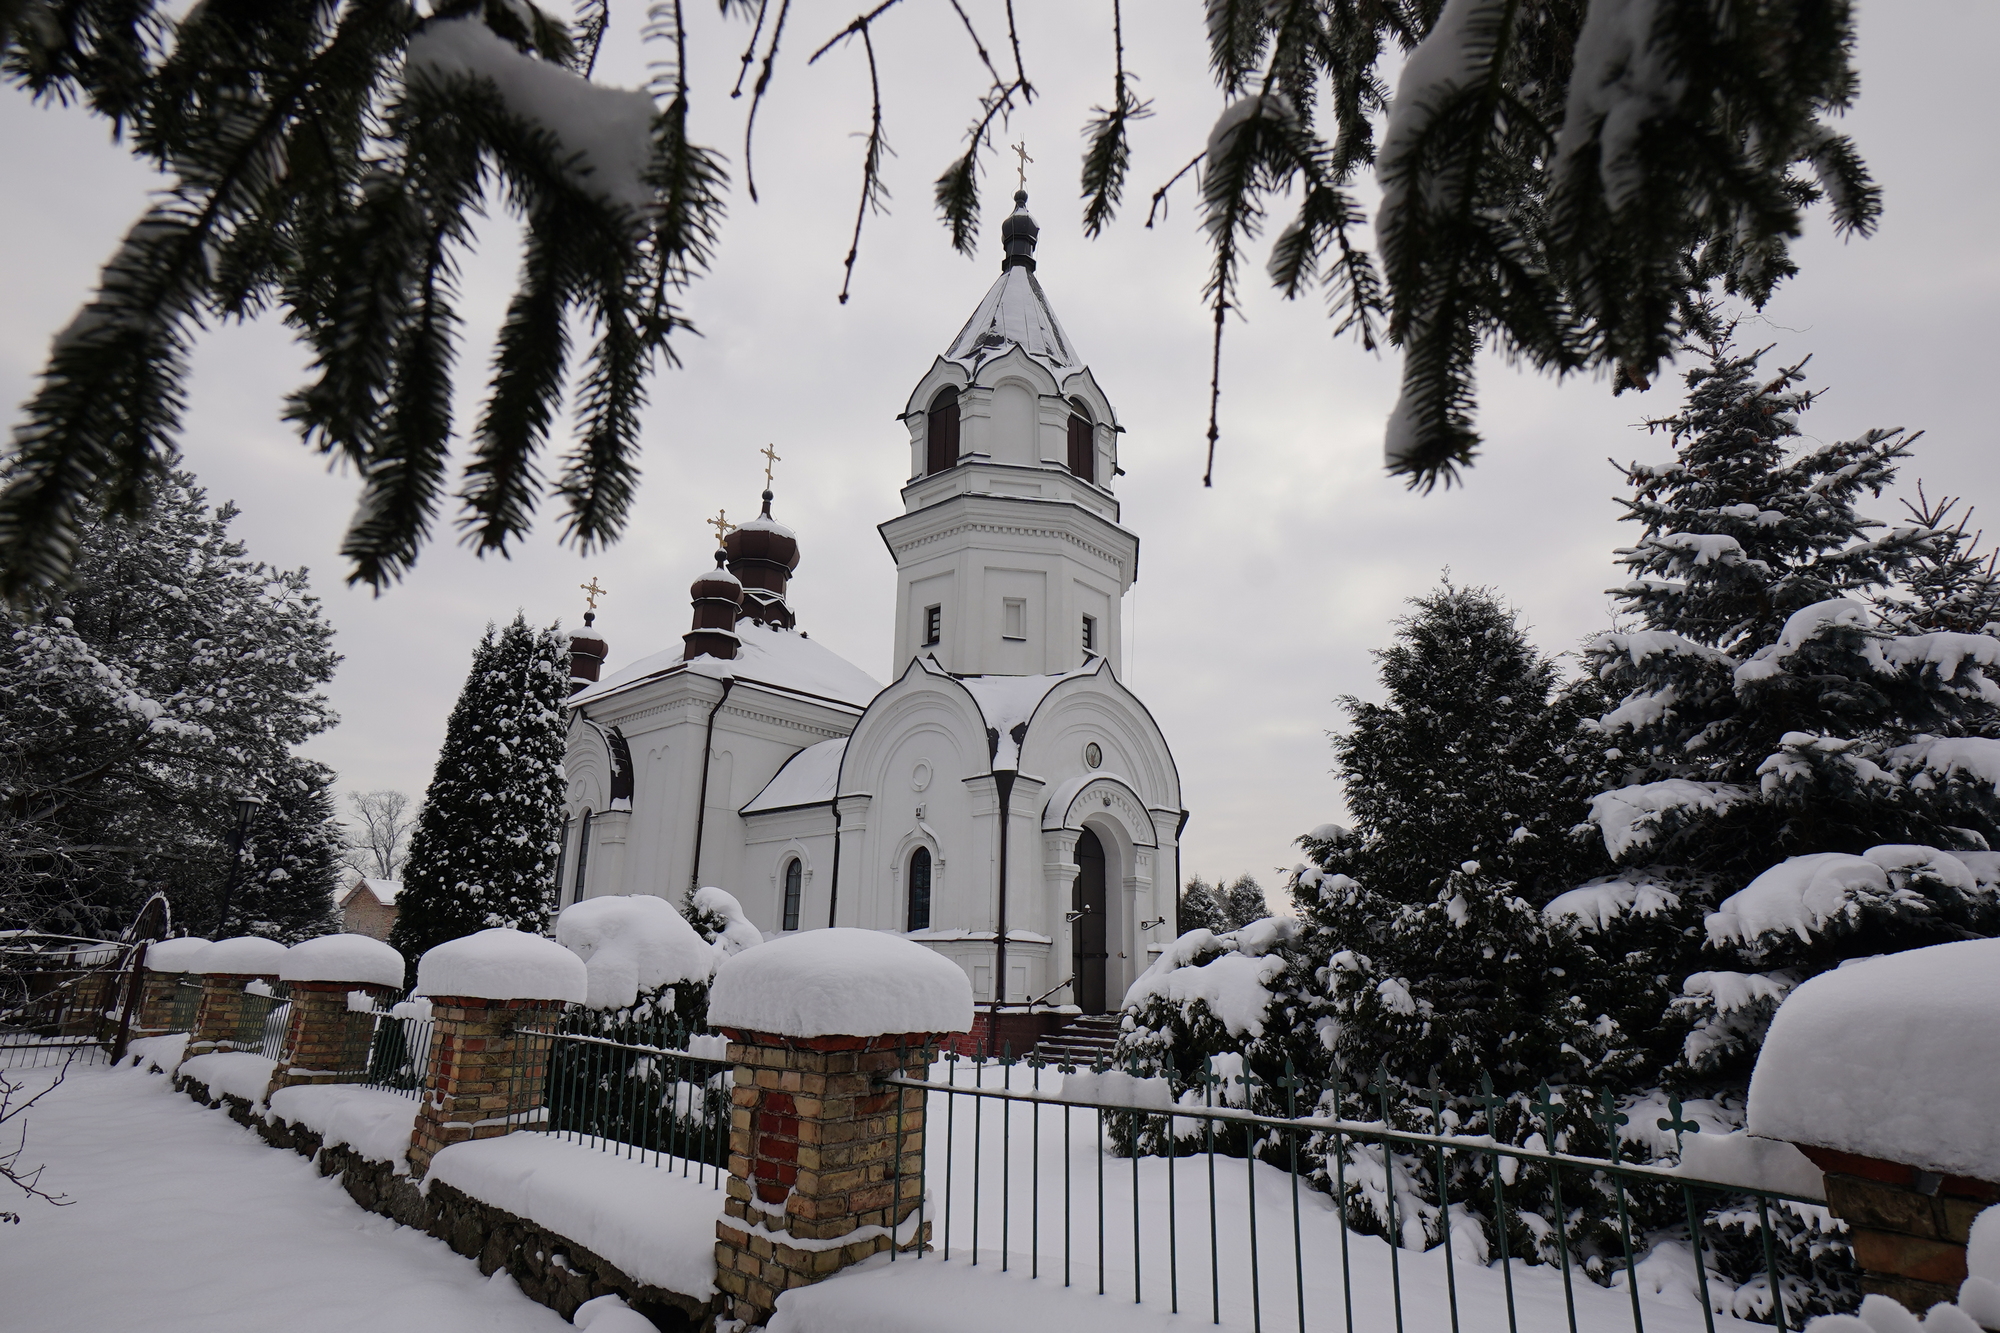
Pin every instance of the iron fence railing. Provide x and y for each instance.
(1189, 1232)
(399, 1045)
(665, 1099)
(260, 1023)
(61, 998)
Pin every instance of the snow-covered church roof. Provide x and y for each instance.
(810, 777)
(1016, 313)
(783, 659)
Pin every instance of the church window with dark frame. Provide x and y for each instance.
(941, 432)
(1089, 636)
(933, 626)
(919, 917)
(582, 857)
(795, 877)
(1082, 442)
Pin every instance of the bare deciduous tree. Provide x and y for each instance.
(376, 848)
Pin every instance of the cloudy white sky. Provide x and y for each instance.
(1258, 601)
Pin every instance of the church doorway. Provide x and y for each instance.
(1090, 934)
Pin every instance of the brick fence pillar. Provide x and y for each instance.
(225, 968)
(826, 1160)
(493, 994)
(1908, 1226)
(326, 1038)
(823, 1170)
(160, 982)
(486, 1074)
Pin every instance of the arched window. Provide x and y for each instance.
(941, 449)
(920, 889)
(1082, 442)
(582, 857)
(794, 890)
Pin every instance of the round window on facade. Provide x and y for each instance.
(1093, 755)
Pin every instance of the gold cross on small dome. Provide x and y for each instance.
(723, 527)
(592, 592)
(1021, 151)
(771, 458)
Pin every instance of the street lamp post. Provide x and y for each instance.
(247, 807)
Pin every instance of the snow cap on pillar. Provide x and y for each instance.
(503, 964)
(840, 982)
(243, 956)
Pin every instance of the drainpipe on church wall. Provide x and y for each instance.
(833, 888)
(1003, 782)
(707, 762)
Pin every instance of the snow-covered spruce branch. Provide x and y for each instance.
(1572, 195)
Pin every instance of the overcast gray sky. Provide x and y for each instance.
(1258, 601)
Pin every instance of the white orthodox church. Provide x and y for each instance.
(1006, 800)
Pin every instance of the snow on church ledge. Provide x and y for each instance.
(841, 982)
(503, 964)
(1892, 1057)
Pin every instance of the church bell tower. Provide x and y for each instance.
(1009, 555)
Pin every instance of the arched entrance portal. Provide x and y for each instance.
(1090, 935)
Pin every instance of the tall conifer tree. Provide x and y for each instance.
(1798, 775)
(485, 850)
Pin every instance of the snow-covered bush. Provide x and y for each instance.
(648, 970)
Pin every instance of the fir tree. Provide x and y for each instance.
(1199, 908)
(1462, 762)
(485, 849)
(173, 673)
(1770, 713)
(291, 860)
(1214, 907)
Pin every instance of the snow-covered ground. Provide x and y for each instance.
(185, 1222)
(881, 1297)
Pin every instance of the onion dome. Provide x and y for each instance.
(718, 602)
(763, 553)
(587, 651)
(1018, 235)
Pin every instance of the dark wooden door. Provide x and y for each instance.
(1088, 934)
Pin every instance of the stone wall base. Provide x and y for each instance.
(551, 1269)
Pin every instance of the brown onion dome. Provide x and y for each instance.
(762, 540)
(717, 582)
(587, 651)
(718, 602)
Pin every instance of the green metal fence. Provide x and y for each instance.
(990, 1128)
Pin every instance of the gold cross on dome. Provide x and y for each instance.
(1021, 151)
(771, 458)
(723, 527)
(592, 592)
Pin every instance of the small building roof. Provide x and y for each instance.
(385, 890)
(783, 659)
(810, 777)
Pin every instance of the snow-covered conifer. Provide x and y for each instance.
(1799, 778)
(291, 860)
(485, 849)
(172, 673)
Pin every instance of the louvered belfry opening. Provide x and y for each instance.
(1082, 448)
(941, 452)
